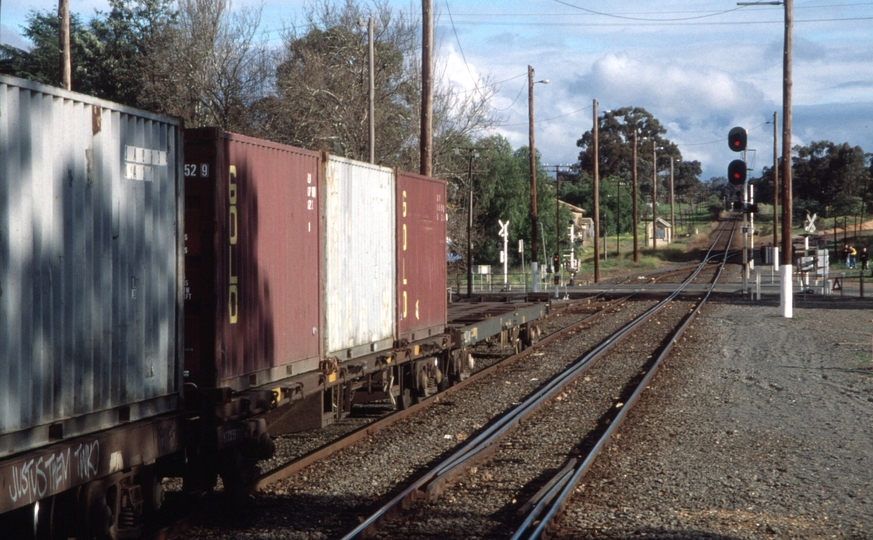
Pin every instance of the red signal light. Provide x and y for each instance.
(737, 139)
(737, 172)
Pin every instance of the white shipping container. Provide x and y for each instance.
(359, 253)
(90, 264)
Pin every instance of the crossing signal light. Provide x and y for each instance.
(737, 139)
(555, 263)
(737, 172)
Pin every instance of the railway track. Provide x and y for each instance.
(546, 504)
(330, 515)
(297, 451)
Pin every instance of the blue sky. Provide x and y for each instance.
(701, 67)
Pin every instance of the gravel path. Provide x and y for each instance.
(758, 427)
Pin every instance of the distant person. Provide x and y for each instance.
(852, 254)
(864, 256)
(846, 255)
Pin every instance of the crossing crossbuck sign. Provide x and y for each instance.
(809, 223)
(504, 228)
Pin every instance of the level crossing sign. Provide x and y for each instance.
(838, 286)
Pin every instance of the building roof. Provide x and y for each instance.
(573, 208)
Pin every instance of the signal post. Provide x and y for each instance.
(737, 140)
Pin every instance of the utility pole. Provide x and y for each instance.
(558, 216)
(473, 154)
(596, 130)
(775, 182)
(64, 38)
(654, 195)
(426, 138)
(636, 216)
(787, 269)
(370, 24)
(672, 211)
(535, 286)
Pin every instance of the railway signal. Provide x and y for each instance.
(737, 139)
(737, 172)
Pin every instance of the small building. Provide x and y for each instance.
(663, 231)
(583, 226)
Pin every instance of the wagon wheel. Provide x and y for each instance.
(530, 334)
(405, 398)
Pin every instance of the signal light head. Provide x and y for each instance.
(737, 139)
(737, 172)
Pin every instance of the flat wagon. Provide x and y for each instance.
(90, 290)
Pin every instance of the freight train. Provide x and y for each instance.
(170, 298)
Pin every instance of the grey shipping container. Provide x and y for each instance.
(90, 264)
(358, 225)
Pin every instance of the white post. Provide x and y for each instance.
(787, 298)
(757, 284)
(534, 277)
(504, 232)
(521, 250)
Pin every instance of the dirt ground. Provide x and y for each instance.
(758, 427)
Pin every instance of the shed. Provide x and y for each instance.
(583, 226)
(663, 230)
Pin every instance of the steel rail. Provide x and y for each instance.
(363, 432)
(481, 443)
(294, 466)
(556, 499)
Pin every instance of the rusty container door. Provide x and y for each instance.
(90, 264)
(252, 260)
(359, 258)
(421, 256)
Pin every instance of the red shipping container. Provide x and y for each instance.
(421, 256)
(252, 252)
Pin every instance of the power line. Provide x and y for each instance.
(463, 56)
(549, 119)
(659, 22)
(630, 18)
(719, 140)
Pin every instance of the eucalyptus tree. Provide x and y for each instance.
(209, 67)
(320, 98)
(617, 131)
(830, 174)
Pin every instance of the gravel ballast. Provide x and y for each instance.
(758, 426)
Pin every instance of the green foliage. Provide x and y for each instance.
(616, 143)
(502, 193)
(107, 54)
(126, 36)
(41, 64)
(827, 173)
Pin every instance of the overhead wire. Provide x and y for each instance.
(549, 119)
(463, 56)
(719, 140)
(629, 18)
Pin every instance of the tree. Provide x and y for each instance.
(207, 67)
(615, 136)
(108, 55)
(830, 175)
(41, 63)
(321, 94)
(320, 99)
(127, 36)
